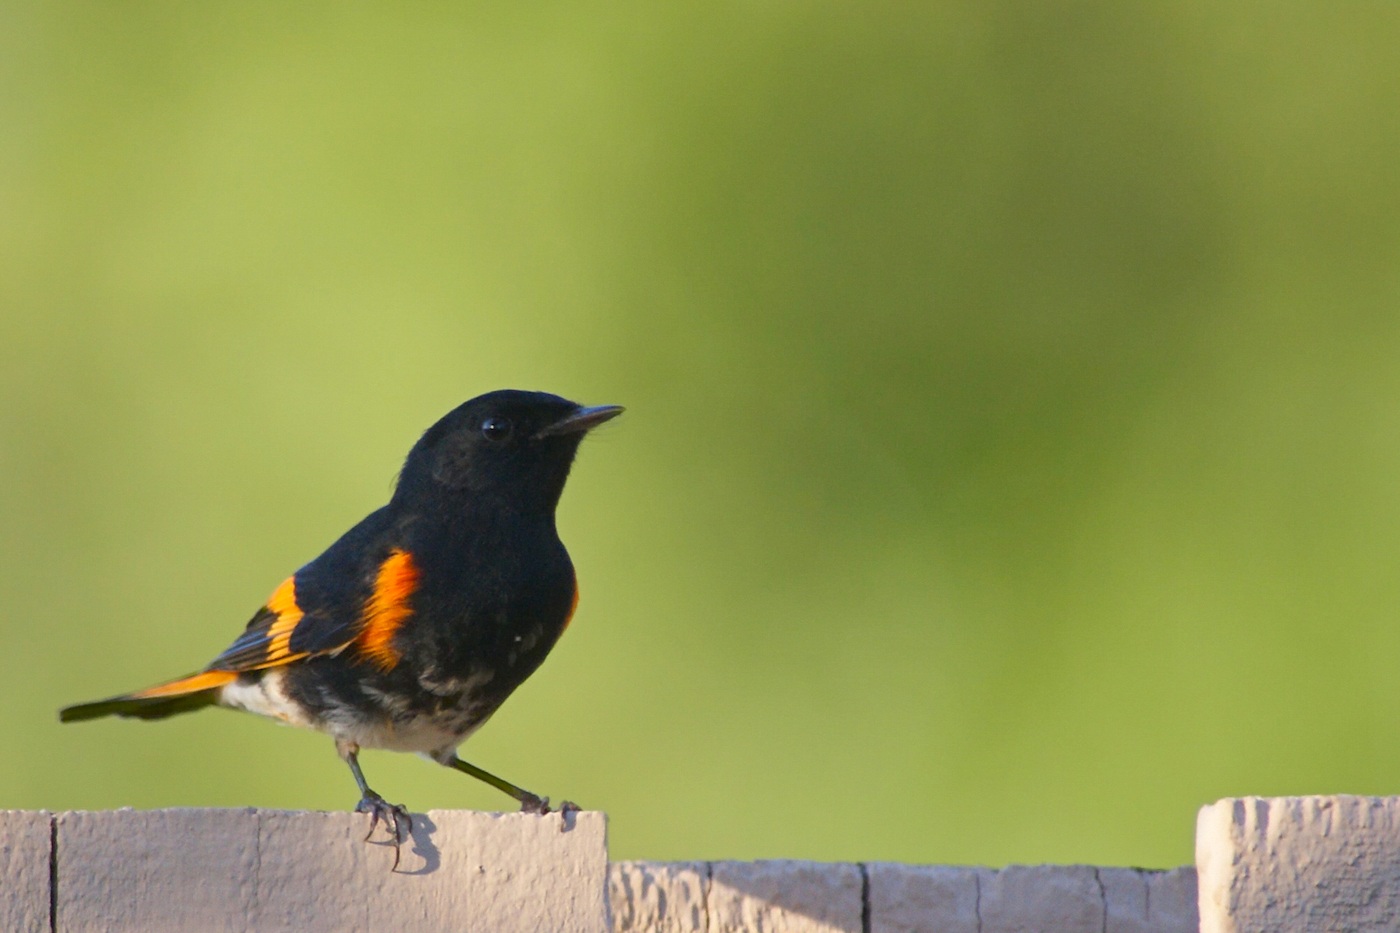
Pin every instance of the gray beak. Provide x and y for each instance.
(582, 419)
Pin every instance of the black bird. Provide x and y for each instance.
(412, 629)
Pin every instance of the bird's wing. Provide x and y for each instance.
(282, 631)
(354, 596)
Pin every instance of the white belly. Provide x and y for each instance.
(425, 734)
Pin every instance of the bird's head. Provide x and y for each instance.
(511, 446)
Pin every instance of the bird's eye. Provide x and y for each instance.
(496, 429)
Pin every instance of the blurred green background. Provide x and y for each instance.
(1012, 457)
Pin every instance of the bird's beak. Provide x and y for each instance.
(582, 419)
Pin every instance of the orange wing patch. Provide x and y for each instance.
(283, 602)
(387, 609)
(192, 684)
(267, 642)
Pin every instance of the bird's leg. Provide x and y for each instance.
(529, 803)
(392, 814)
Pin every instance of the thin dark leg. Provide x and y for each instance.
(392, 814)
(529, 803)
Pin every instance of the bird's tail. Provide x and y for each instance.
(178, 696)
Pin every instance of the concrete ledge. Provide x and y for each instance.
(664, 897)
(24, 867)
(1301, 864)
(885, 897)
(1296, 864)
(804, 897)
(277, 870)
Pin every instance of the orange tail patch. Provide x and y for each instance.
(207, 680)
(178, 696)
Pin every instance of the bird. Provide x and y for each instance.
(413, 627)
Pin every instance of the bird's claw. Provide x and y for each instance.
(395, 817)
(567, 809)
(529, 803)
(540, 807)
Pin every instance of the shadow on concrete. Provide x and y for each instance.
(420, 845)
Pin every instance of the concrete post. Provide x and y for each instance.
(269, 870)
(1299, 864)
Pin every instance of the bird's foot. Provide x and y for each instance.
(395, 817)
(566, 811)
(540, 806)
(529, 803)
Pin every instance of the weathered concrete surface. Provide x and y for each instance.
(788, 896)
(24, 871)
(462, 870)
(156, 870)
(1300, 864)
(1142, 901)
(688, 897)
(277, 870)
(923, 898)
(1022, 899)
(659, 897)
(311, 872)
